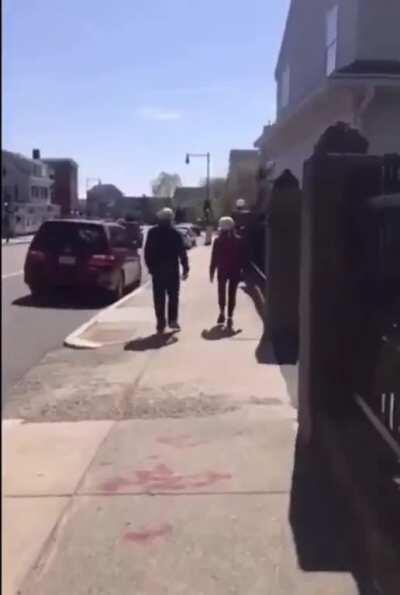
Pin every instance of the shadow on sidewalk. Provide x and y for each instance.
(256, 294)
(322, 527)
(282, 351)
(156, 341)
(219, 332)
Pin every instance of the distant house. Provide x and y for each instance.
(82, 206)
(339, 61)
(190, 201)
(130, 206)
(242, 177)
(102, 199)
(26, 192)
(65, 188)
(143, 208)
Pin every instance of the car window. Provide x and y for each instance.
(118, 237)
(61, 236)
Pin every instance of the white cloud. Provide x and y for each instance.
(155, 113)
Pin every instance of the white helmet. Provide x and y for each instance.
(166, 214)
(226, 224)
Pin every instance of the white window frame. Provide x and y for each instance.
(285, 88)
(331, 38)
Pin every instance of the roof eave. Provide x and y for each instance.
(354, 79)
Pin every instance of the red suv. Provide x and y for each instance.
(87, 255)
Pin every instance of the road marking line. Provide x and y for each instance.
(12, 275)
(73, 340)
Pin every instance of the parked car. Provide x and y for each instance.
(134, 230)
(96, 257)
(194, 229)
(189, 237)
(197, 229)
(190, 228)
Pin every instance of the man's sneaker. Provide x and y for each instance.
(221, 319)
(160, 328)
(174, 325)
(229, 324)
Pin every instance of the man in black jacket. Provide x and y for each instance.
(163, 252)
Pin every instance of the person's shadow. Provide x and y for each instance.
(219, 332)
(152, 342)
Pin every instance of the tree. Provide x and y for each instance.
(165, 184)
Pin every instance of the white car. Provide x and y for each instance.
(189, 237)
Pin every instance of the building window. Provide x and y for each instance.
(43, 192)
(285, 88)
(331, 38)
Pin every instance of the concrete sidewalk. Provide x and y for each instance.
(189, 481)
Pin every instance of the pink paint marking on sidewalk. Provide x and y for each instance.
(146, 536)
(162, 478)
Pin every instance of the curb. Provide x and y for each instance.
(18, 241)
(10, 423)
(74, 341)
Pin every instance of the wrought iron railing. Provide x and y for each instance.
(382, 403)
(377, 385)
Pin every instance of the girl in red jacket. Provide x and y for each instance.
(228, 259)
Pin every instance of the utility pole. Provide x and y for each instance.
(207, 203)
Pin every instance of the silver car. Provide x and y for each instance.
(189, 237)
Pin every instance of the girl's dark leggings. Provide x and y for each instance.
(232, 283)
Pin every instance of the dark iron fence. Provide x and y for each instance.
(376, 271)
(381, 400)
(255, 235)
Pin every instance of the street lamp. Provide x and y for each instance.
(207, 204)
(203, 156)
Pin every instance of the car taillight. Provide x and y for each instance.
(101, 260)
(37, 256)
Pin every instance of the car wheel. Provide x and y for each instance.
(39, 296)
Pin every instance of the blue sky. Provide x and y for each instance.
(126, 88)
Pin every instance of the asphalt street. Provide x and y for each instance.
(30, 331)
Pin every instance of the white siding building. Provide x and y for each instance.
(26, 192)
(339, 60)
